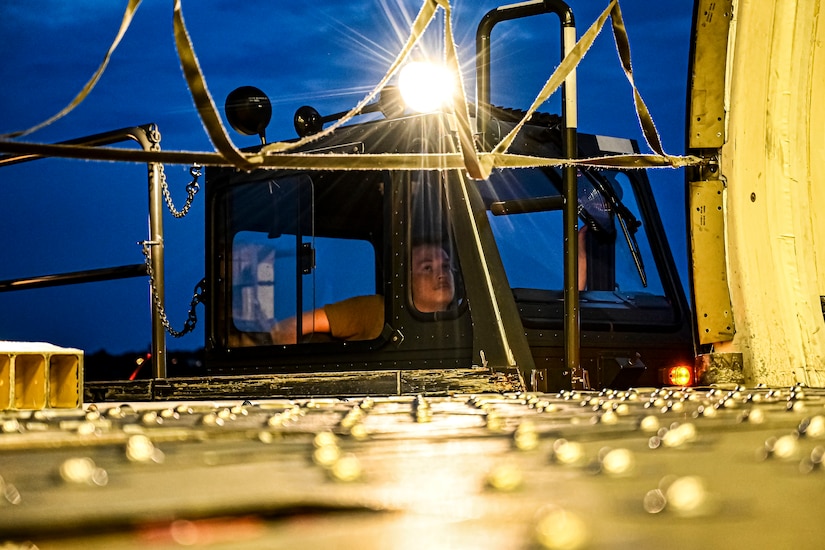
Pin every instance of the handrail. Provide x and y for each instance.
(143, 135)
(74, 277)
(483, 32)
(136, 133)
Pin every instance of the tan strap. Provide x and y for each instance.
(276, 155)
(200, 94)
(128, 15)
(568, 64)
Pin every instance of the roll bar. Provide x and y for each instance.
(572, 325)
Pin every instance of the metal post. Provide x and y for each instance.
(156, 259)
(570, 217)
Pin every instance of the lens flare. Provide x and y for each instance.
(426, 87)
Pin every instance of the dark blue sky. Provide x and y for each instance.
(67, 215)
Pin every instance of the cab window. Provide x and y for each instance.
(265, 272)
(300, 242)
(434, 282)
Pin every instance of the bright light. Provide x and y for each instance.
(679, 376)
(425, 87)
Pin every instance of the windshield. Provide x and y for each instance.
(616, 257)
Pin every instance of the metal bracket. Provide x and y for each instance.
(709, 171)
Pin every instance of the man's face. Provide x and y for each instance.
(432, 278)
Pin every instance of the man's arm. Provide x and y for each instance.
(285, 332)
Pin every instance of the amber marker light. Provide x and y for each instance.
(680, 375)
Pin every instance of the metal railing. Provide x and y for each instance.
(146, 137)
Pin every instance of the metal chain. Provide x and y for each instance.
(197, 298)
(191, 188)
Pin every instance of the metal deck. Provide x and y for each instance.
(702, 468)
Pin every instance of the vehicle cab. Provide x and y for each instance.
(284, 242)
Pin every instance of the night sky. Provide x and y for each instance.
(68, 215)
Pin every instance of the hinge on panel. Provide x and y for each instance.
(307, 258)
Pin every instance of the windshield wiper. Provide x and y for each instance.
(627, 221)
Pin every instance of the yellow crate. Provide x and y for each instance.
(36, 375)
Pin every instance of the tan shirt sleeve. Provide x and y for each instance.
(357, 318)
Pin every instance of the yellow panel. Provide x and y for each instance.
(707, 113)
(65, 380)
(37, 375)
(30, 381)
(6, 381)
(712, 304)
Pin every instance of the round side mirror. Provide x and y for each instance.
(307, 121)
(248, 111)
